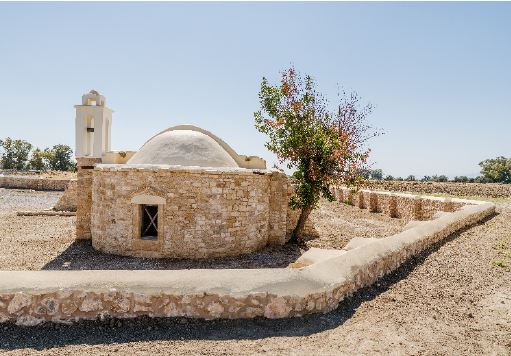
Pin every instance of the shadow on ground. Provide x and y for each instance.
(110, 331)
(80, 255)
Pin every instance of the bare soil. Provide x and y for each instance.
(454, 298)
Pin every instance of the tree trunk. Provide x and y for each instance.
(297, 236)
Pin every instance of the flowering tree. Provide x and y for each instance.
(323, 147)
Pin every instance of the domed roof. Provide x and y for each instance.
(185, 146)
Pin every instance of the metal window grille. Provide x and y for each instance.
(149, 223)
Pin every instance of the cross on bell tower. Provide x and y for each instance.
(92, 126)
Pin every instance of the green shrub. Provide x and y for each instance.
(497, 170)
(15, 154)
(60, 158)
(461, 179)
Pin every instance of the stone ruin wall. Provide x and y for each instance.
(404, 206)
(33, 183)
(493, 190)
(67, 202)
(208, 212)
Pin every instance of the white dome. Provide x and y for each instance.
(183, 147)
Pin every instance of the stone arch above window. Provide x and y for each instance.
(148, 195)
(148, 199)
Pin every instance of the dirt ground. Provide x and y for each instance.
(455, 298)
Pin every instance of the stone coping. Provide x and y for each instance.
(30, 297)
(222, 282)
(182, 169)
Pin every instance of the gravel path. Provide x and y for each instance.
(452, 299)
(30, 242)
(12, 200)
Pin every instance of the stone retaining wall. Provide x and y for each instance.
(493, 190)
(31, 297)
(34, 183)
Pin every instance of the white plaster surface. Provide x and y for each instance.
(243, 161)
(184, 148)
(314, 255)
(92, 115)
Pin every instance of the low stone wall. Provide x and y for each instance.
(34, 183)
(396, 205)
(31, 297)
(67, 202)
(492, 190)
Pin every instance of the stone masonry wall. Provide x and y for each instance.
(207, 212)
(404, 206)
(292, 214)
(494, 190)
(278, 209)
(34, 183)
(67, 202)
(84, 196)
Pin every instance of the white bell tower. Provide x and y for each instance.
(92, 126)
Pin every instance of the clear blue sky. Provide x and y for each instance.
(439, 74)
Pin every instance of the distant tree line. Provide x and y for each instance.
(22, 155)
(496, 170)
